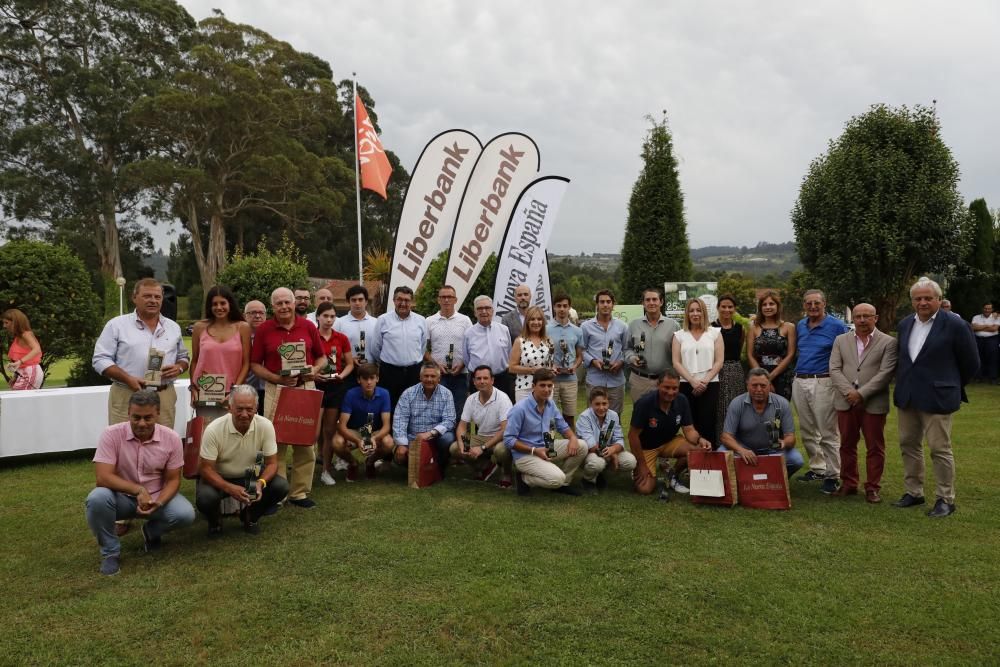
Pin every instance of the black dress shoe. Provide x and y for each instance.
(567, 491)
(908, 501)
(941, 509)
(522, 488)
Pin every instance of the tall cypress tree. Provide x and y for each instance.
(974, 285)
(655, 248)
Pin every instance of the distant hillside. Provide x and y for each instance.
(763, 258)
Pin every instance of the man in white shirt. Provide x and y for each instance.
(445, 331)
(985, 327)
(487, 410)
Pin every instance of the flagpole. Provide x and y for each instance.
(357, 178)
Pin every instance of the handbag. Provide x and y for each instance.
(713, 481)
(422, 469)
(765, 485)
(297, 416)
(192, 446)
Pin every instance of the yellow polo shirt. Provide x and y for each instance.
(234, 452)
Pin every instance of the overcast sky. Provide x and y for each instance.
(753, 91)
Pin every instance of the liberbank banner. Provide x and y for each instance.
(522, 255)
(431, 206)
(506, 166)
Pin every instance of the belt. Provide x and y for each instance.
(648, 376)
(811, 376)
(156, 387)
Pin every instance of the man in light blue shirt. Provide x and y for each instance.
(604, 341)
(539, 459)
(425, 412)
(568, 341)
(488, 343)
(132, 344)
(600, 432)
(399, 342)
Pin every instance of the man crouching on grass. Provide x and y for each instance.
(138, 468)
(539, 461)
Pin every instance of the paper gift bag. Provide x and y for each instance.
(716, 466)
(192, 446)
(765, 485)
(422, 467)
(297, 416)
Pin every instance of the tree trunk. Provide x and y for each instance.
(216, 255)
(108, 249)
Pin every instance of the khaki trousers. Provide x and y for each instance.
(639, 386)
(303, 458)
(913, 427)
(119, 396)
(555, 472)
(501, 455)
(813, 401)
(594, 465)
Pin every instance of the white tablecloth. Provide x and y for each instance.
(64, 419)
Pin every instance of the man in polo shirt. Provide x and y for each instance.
(487, 409)
(358, 325)
(425, 412)
(760, 423)
(131, 344)
(138, 469)
(600, 431)
(527, 425)
(229, 447)
(488, 343)
(813, 391)
(265, 361)
(604, 342)
(445, 332)
(650, 344)
(365, 407)
(656, 419)
(567, 340)
(399, 343)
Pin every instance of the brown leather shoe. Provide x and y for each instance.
(845, 491)
(872, 496)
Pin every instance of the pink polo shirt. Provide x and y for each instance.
(142, 463)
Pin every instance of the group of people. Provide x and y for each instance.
(500, 394)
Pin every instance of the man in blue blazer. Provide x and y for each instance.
(937, 358)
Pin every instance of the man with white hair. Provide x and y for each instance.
(285, 329)
(937, 358)
(488, 343)
(229, 448)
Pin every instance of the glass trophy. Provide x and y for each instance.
(330, 369)
(211, 389)
(252, 474)
(154, 368)
(640, 349)
(366, 434)
(604, 437)
(449, 359)
(606, 354)
(550, 440)
(293, 358)
(564, 351)
(359, 349)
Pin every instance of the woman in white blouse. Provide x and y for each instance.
(532, 350)
(698, 357)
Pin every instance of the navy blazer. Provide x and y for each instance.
(935, 381)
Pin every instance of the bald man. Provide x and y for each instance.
(862, 363)
(514, 319)
(265, 362)
(322, 295)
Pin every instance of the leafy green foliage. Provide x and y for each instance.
(741, 288)
(255, 275)
(880, 208)
(976, 276)
(70, 72)
(425, 298)
(581, 282)
(655, 248)
(51, 286)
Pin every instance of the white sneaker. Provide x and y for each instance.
(340, 464)
(678, 486)
(327, 479)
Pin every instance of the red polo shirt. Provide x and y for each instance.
(337, 341)
(270, 335)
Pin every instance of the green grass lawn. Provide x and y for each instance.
(465, 573)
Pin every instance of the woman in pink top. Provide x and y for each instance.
(220, 343)
(25, 352)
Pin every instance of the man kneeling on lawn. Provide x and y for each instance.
(760, 423)
(365, 423)
(656, 418)
(487, 409)
(540, 459)
(228, 464)
(599, 429)
(425, 413)
(138, 468)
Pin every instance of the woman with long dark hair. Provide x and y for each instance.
(220, 345)
(25, 351)
(732, 379)
(334, 383)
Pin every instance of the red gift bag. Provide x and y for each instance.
(422, 466)
(765, 485)
(699, 459)
(297, 416)
(192, 446)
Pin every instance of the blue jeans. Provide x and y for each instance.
(105, 506)
(793, 459)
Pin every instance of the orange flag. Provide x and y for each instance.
(375, 167)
